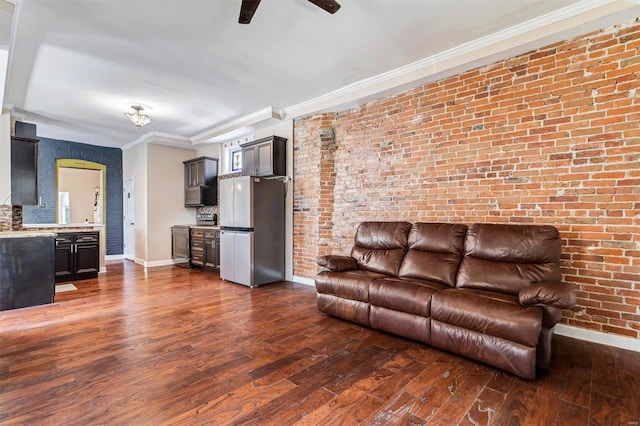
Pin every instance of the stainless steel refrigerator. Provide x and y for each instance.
(252, 230)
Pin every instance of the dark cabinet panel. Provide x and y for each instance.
(64, 262)
(77, 256)
(26, 272)
(249, 161)
(201, 171)
(87, 260)
(197, 247)
(265, 157)
(24, 172)
(201, 182)
(205, 247)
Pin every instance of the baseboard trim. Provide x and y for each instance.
(102, 270)
(598, 337)
(303, 280)
(156, 263)
(114, 257)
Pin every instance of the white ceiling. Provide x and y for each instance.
(74, 65)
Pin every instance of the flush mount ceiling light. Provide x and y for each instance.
(137, 117)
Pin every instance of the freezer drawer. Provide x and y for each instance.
(236, 257)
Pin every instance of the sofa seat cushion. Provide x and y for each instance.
(353, 285)
(489, 313)
(352, 310)
(412, 296)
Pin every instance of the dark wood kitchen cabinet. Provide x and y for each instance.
(201, 171)
(24, 171)
(265, 157)
(77, 255)
(205, 247)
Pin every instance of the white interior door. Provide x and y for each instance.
(129, 220)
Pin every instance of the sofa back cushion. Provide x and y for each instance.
(381, 246)
(435, 252)
(508, 258)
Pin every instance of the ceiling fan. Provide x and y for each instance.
(249, 7)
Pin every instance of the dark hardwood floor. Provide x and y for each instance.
(177, 346)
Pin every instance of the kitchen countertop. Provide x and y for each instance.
(199, 226)
(205, 226)
(60, 225)
(25, 234)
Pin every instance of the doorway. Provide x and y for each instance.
(129, 220)
(85, 183)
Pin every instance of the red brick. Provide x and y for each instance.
(568, 140)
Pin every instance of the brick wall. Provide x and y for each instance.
(548, 137)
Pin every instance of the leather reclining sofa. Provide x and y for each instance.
(489, 292)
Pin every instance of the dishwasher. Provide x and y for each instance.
(180, 252)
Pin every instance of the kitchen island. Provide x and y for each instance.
(27, 269)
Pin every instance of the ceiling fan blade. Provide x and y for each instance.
(247, 9)
(330, 6)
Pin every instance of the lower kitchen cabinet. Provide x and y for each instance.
(77, 255)
(205, 247)
(26, 272)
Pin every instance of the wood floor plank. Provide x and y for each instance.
(483, 411)
(607, 410)
(572, 414)
(525, 404)
(350, 402)
(170, 345)
(461, 398)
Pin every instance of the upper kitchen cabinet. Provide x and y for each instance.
(265, 157)
(201, 182)
(201, 171)
(24, 165)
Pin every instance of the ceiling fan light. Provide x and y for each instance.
(137, 117)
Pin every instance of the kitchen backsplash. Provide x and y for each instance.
(10, 218)
(207, 210)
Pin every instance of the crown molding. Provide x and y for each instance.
(482, 51)
(160, 138)
(257, 118)
(563, 24)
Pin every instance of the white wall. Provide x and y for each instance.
(212, 150)
(158, 174)
(5, 158)
(165, 199)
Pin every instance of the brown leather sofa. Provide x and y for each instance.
(489, 292)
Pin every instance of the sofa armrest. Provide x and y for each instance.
(551, 293)
(336, 263)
